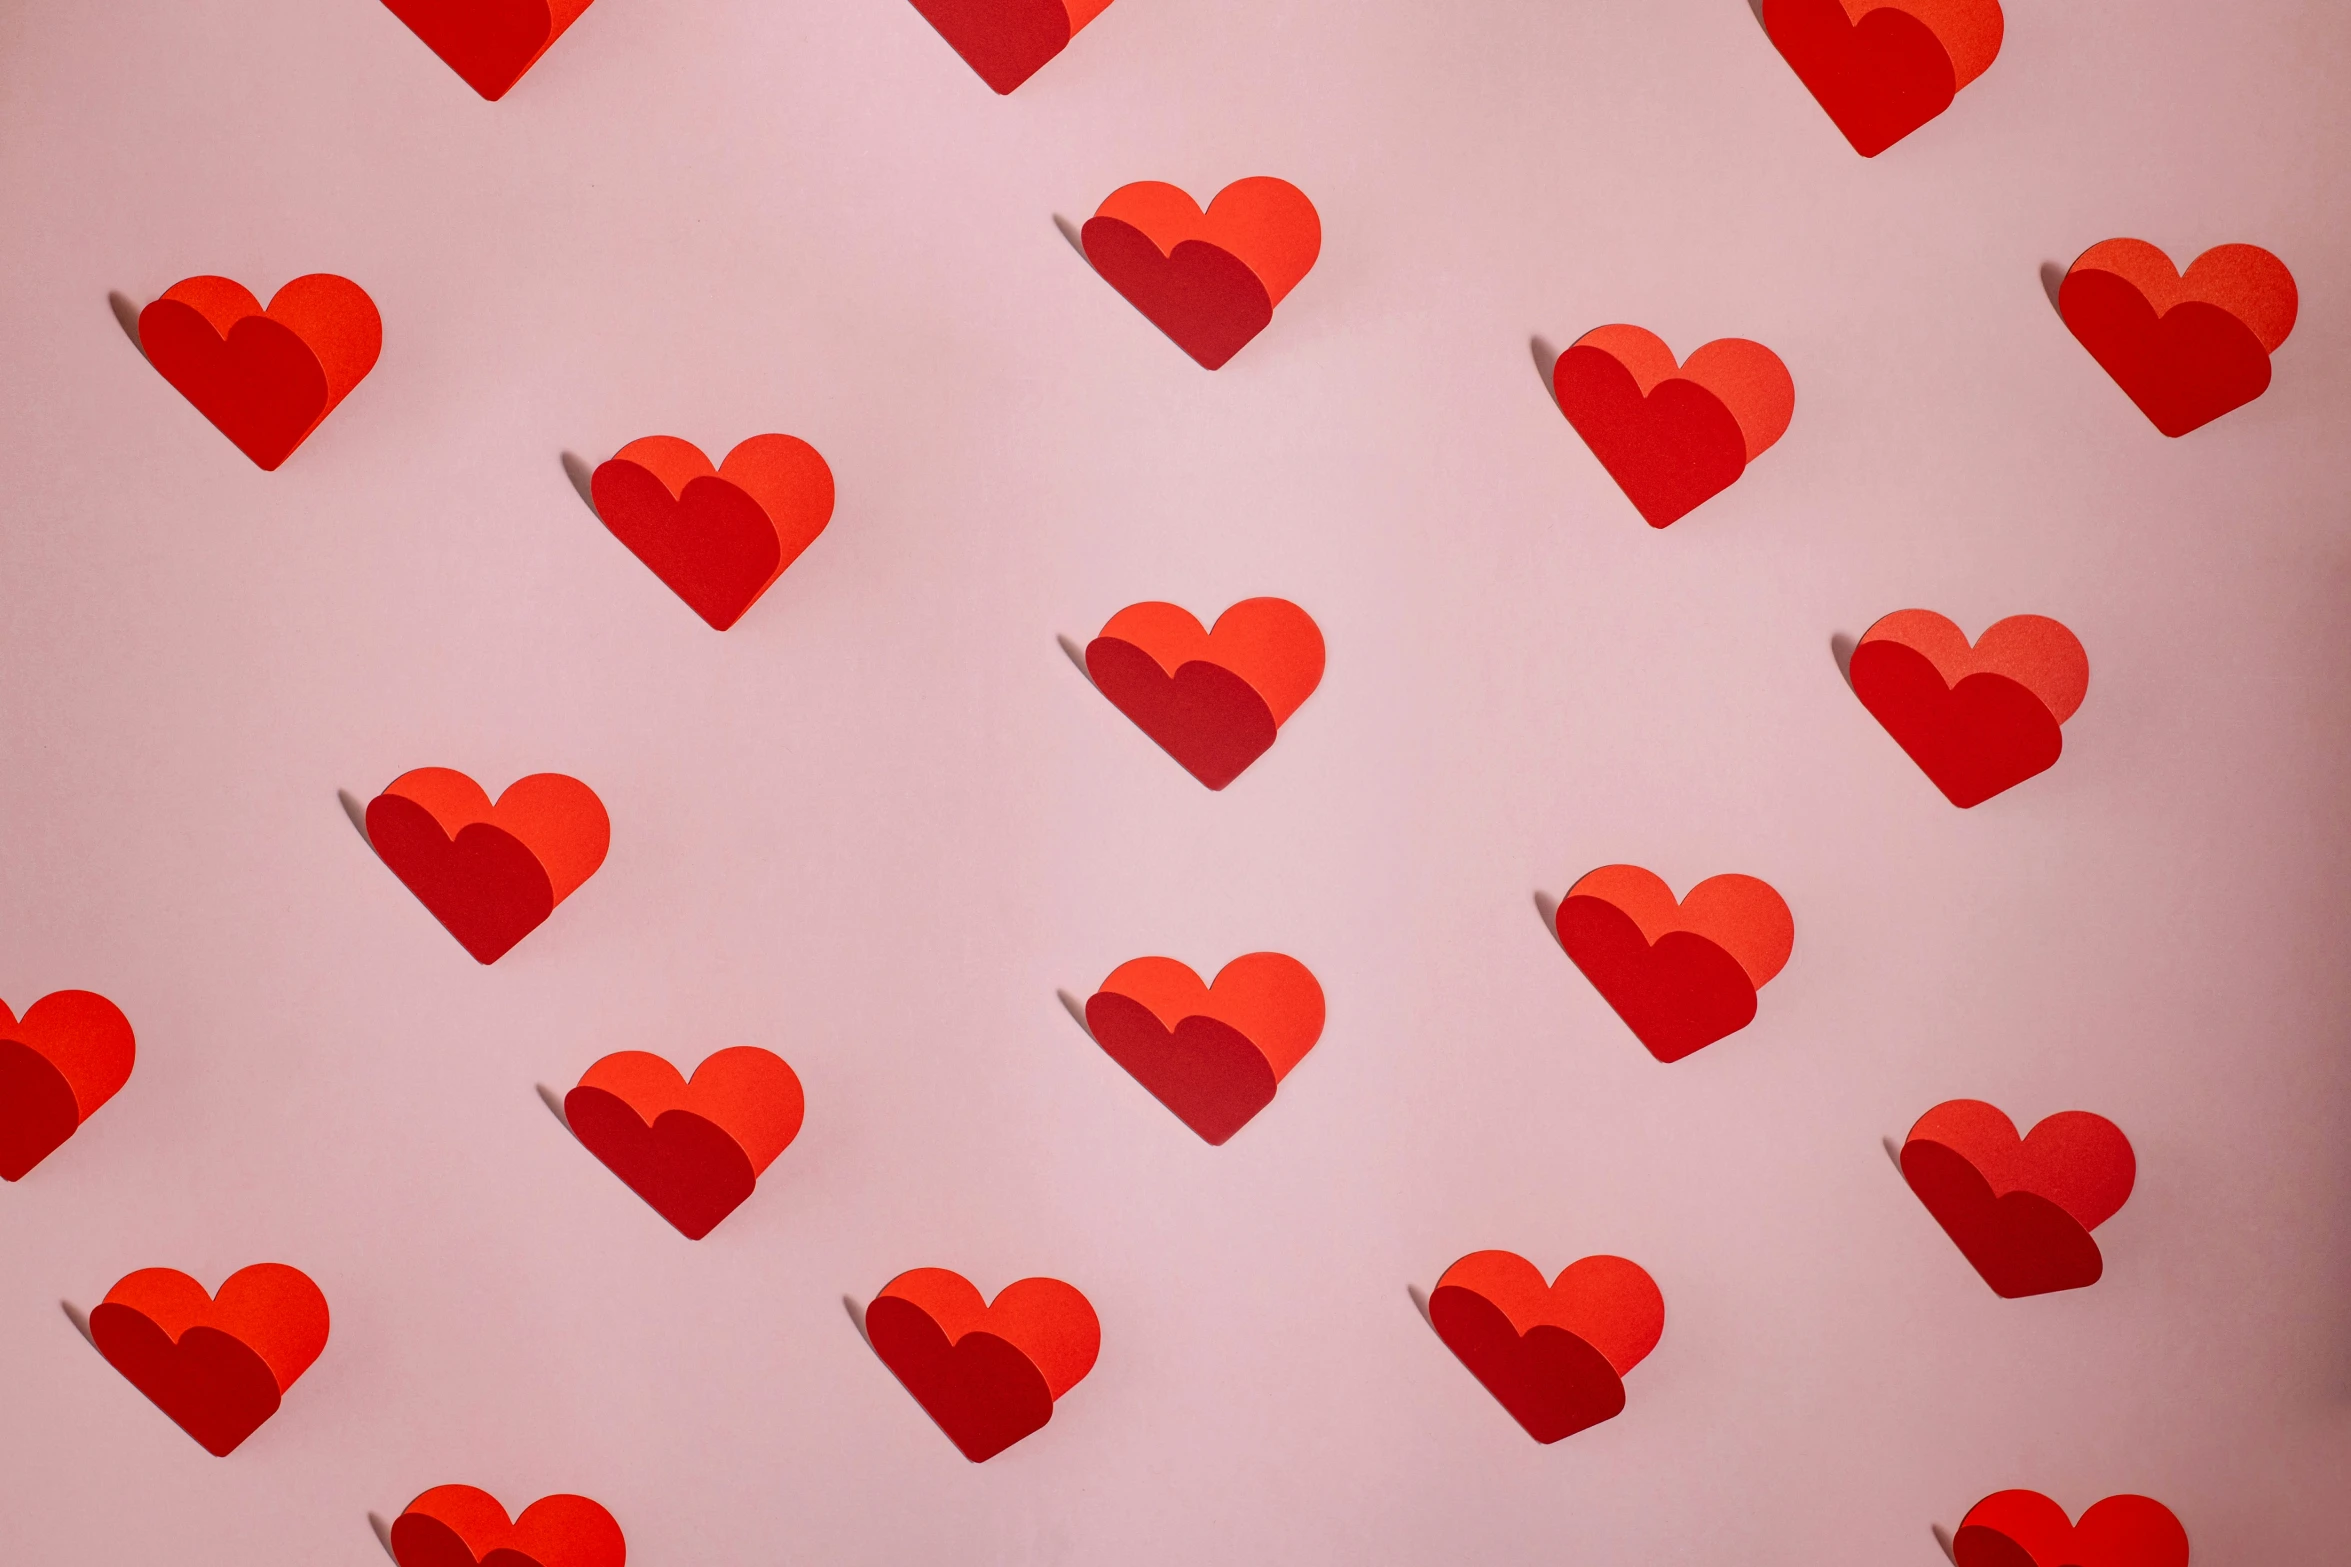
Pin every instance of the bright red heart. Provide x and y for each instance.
(217, 1366)
(1554, 1355)
(1211, 1053)
(1209, 280)
(264, 378)
(2027, 1529)
(1006, 41)
(988, 1374)
(462, 1526)
(491, 874)
(693, 1150)
(488, 42)
(1671, 435)
(70, 1053)
(2021, 1210)
(1214, 700)
(2186, 348)
(719, 537)
(1680, 975)
(1883, 68)
(1977, 720)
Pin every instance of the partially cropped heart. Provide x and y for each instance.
(264, 378)
(1213, 1054)
(1883, 68)
(2027, 1529)
(1006, 41)
(2188, 347)
(1976, 719)
(2021, 1209)
(464, 1526)
(70, 1053)
(1214, 700)
(1209, 280)
(1672, 435)
(490, 874)
(719, 537)
(1554, 1355)
(988, 1374)
(1681, 975)
(694, 1150)
(217, 1365)
(490, 43)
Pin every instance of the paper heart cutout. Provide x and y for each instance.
(1883, 68)
(2027, 1529)
(1214, 700)
(217, 1365)
(1977, 720)
(1680, 975)
(491, 874)
(2021, 1209)
(264, 378)
(490, 43)
(1006, 41)
(718, 537)
(1209, 280)
(1213, 1053)
(462, 1526)
(988, 1374)
(2186, 348)
(694, 1150)
(70, 1053)
(1672, 435)
(1554, 1355)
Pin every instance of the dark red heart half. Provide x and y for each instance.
(1213, 1054)
(1555, 1354)
(70, 1053)
(2027, 1529)
(988, 1374)
(218, 1367)
(490, 43)
(1680, 975)
(1885, 72)
(464, 1526)
(1209, 280)
(693, 1150)
(718, 537)
(490, 874)
(1671, 434)
(1006, 41)
(265, 379)
(2021, 1210)
(2188, 347)
(1212, 700)
(1981, 719)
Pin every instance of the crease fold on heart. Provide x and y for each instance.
(71, 1052)
(465, 1526)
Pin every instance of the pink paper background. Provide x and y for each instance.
(878, 825)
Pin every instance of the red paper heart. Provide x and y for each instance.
(2186, 348)
(490, 43)
(491, 875)
(1680, 975)
(1883, 68)
(217, 1366)
(1006, 41)
(1214, 700)
(2021, 1210)
(2027, 1529)
(70, 1053)
(1213, 1054)
(1977, 720)
(1672, 435)
(988, 1374)
(692, 1150)
(719, 537)
(461, 1526)
(1209, 280)
(264, 378)
(1555, 1354)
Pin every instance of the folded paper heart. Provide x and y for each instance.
(1209, 280)
(1680, 975)
(217, 1365)
(1977, 720)
(694, 1150)
(1211, 1053)
(2027, 1529)
(491, 874)
(490, 43)
(1006, 41)
(265, 378)
(1883, 68)
(988, 1374)
(70, 1053)
(2021, 1209)
(719, 537)
(2189, 347)
(1671, 435)
(1214, 700)
(1554, 1355)
(462, 1526)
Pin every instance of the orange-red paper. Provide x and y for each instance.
(1209, 280)
(692, 1149)
(490, 43)
(1681, 975)
(464, 1526)
(1213, 1054)
(265, 378)
(2189, 347)
(1672, 434)
(70, 1053)
(1214, 700)
(2027, 1529)
(1883, 68)
(218, 1365)
(989, 1374)
(1555, 1355)
(2021, 1209)
(490, 874)
(1006, 41)
(718, 537)
(1976, 719)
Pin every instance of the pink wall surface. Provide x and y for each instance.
(877, 826)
